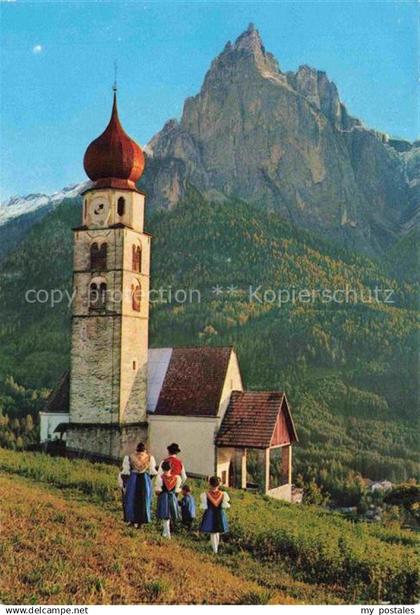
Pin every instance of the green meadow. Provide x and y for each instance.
(323, 556)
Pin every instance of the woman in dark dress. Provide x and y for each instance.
(138, 489)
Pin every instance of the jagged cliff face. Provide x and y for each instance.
(283, 140)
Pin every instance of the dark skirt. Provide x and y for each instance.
(138, 498)
(167, 506)
(214, 521)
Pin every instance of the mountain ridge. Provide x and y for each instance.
(284, 140)
(16, 206)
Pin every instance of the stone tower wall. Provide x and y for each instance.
(108, 391)
(105, 442)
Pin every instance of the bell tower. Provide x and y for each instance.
(108, 387)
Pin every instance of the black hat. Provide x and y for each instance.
(173, 448)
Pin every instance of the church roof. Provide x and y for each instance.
(114, 160)
(180, 381)
(257, 419)
(194, 381)
(59, 399)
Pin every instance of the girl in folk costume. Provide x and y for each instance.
(138, 491)
(187, 506)
(177, 467)
(167, 488)
(214, 503)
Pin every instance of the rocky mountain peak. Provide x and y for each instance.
(250, 45)
(245, 57)
(285, 141)
(250, 40)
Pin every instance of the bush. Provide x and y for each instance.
(322, 547)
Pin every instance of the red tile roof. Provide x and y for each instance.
(257, 419)
(194, 381)
(59, 398)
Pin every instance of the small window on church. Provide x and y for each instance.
(134, 365)
(135, 296)
(98, 256)
(121, 206)
(97, 295)
(93, 295)
(137, 259)
(102, 294)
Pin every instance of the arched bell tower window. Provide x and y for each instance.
(97, 294)
(137, 258)
(136, 296)
(121, 206)
(98, 256)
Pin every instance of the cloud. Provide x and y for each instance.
(37, 49)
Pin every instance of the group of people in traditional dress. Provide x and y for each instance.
(135, 481)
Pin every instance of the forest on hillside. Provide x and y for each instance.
(349, 368)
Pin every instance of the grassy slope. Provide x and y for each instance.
(57, 550)
(291, 552)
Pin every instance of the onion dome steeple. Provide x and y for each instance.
(113, 160)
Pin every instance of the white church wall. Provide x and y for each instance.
(233, 382)
(194, 435)
(224, 459)
(48, 421)
(157, 366)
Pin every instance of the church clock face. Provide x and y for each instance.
(99, 211)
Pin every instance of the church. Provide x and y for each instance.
(119, 391)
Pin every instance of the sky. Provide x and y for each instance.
(57, 59)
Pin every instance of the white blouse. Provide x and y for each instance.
(225, 501)
(159, 484)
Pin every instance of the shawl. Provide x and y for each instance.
(140, 462)
(169, 482)
(215, 497)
